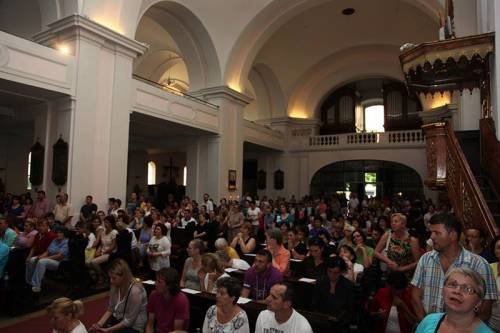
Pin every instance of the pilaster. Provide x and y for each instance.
(225, 152)
(98, 129)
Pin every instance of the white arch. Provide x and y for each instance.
(269, 95)
(421, 176)
(412, 158)
(366, 61)
(270, 19)
(193, 40)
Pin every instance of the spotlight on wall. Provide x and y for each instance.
(64, 48)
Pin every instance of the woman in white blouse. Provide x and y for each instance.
(226, 316)
(159, 248)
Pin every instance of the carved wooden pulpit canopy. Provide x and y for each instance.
(434, 71)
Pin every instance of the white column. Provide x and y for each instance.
(100, 112)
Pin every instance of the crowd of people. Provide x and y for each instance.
(377, 264)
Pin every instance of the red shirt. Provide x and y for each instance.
(42, 242)
(177, 308)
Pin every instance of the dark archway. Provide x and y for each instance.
(384, 178)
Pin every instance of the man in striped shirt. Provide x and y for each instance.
(428, 279)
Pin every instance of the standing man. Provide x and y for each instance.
(428, 279)
(62, 211)
(168, 307)
(41, 205)
(208, 203)
(280, 315)
(261, 277)
(187, 219)
(88, 209)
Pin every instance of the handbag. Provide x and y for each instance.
(89, 254)
(112, 320)
(383, 265)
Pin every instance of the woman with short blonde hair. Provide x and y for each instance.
(64, 314)
(463, 293)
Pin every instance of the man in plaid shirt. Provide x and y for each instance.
(429, 276)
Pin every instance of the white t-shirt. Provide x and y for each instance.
(253, 215)
(134, 239)
(91, 241)
(185, 222)
(79, 329)
(210, 205)
(297, 323)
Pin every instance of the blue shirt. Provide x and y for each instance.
(59, 246)
(4, 257)
(9, 237)
(430, 322)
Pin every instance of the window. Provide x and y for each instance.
(184, 176)
(28, 185)
(371, 184)
(374, 118)
(151, 173)
(401, 109)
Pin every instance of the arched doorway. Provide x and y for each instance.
(370, 177)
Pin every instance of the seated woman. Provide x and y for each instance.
(221, 244)
(463, 293)
(353, 269)
(126, 312)
(159, 249)
(192, 265)
(313, 266)
(364, 253)
(211, 270)
(64, 314)
(334, 294)
(106, 247)
(226, 315)
(296, 244)
(26, 238)
(244, 242)
(281, 256)
(49, 260)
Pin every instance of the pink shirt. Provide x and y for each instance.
(40, 208)
(177, 308)
(281, 259)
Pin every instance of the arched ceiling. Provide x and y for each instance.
(314, 47)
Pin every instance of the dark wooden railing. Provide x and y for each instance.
(490, 151)
(448, 168)
(464, 192)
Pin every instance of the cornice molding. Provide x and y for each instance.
(75, 27)
(223, 92)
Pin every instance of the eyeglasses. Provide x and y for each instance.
(462, 287)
